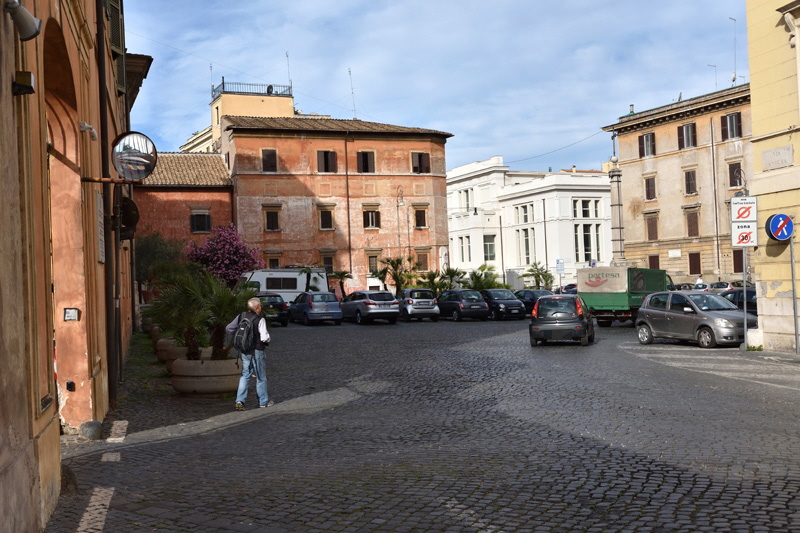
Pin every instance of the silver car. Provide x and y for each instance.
(698, 316)
(419, 304)
(366, 306)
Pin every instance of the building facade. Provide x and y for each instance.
(774, 57)
(64, 274)
(186, 196)
(513, 219)
(680, 166)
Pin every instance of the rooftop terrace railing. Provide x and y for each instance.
(261, 89)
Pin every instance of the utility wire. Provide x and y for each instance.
(557, 149)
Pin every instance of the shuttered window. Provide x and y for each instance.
(693, 223)
(269, 160)
(651, 223)
(326, 161)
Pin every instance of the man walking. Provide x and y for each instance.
(253, 356)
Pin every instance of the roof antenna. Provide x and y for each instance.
(353, 92)
(715, 76)
(733, 76)
(288, 72)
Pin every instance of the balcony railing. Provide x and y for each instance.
(261, 89)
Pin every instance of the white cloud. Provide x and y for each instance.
(509, 78)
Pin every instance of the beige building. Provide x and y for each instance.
(680, 165)
(774, 56)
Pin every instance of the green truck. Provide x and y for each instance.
(616, 293)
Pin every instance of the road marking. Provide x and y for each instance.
(94, 517)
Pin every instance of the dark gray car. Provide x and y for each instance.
(503, 304)
(561, 317)
(700, 316)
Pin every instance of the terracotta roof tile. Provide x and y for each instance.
(324, 125)
(189, 169)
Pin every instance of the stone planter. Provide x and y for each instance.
(161, 346)
(206, 377)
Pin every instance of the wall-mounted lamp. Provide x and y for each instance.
(88, 127)
(475, 212)
(27, 25)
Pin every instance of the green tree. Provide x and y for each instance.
(432, 280)
(483, 277)
(381, 274)
(308, 270)
(398, 270)
(452, 278)
(151, 250)
(341, 276)
(539, 275)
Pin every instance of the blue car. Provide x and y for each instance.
(315, 307)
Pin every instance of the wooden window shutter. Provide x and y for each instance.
(681, 143)
(641, 145)
(724, 122)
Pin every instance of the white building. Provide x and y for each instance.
(513, 219)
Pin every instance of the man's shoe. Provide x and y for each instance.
(269, 404)
(239, 406)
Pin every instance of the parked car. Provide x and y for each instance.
(719, 286)
(503, 304)
(313, 307)
(564, 288)
(561, 317)
(681, 287)
(738, 284)
(701, 287)
(419, 304)
(463, 303)
(529, 297)
(280, 309)
(366, 306)
(698, 316)
(737, 297)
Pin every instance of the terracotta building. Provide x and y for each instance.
(680, 166)
(308, 189)
(64, 275)
(185, 197)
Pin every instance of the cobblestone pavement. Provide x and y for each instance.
(452, 427)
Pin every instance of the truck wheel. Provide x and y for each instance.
(645, 334)
(705, 338)
(603, 323)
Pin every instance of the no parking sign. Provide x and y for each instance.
(744, 222)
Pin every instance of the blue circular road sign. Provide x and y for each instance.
(780, 227)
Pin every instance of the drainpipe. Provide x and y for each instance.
(111, 344)
(716, 209)
(347, 203)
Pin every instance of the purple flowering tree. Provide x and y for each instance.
(225, 255)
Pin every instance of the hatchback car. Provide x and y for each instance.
(701, 287)
(736, 296)
(463, 303)
(503, 304)
(698, 316)
(419, 304)
(366, 306)
(529, 297)
(719, 286)
(276, 309)
(561, 317)
(314, 307)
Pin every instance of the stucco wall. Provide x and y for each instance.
(167, 210)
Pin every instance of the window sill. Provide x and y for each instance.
(375, 228)
(327, 229)
(272, 231)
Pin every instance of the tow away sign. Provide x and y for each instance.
(744, 222)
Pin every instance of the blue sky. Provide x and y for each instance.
(533, 81)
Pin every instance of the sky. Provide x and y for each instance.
(533, 81)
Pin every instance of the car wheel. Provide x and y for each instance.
(337, 322)
(534, 342)
(705, 338)
(591, 337)
(494, 315)
(456, 315)
(284, 323)
(434, 319)
(359, 318)
(645, 334)
(392, 320)
(306, 320)
(406, 317)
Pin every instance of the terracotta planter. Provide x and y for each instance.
(208, 378)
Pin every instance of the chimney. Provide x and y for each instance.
(574, 169)
(631, 109)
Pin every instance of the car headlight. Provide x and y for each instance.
(502, 306)
(723, 323)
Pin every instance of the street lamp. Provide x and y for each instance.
(400, 202)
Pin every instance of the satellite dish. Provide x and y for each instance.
(134, 155)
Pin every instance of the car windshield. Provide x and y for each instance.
(719, 285)
(711, 302)
(502, 294)
(554, 306)
(471, 296)
(421, 294)
(381, 297)
(272, 299)
(323, 298)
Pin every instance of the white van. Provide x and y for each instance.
(288, 281)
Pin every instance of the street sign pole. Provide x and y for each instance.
(794, 296)
(744, 235)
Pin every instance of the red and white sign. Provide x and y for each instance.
(744, 221)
